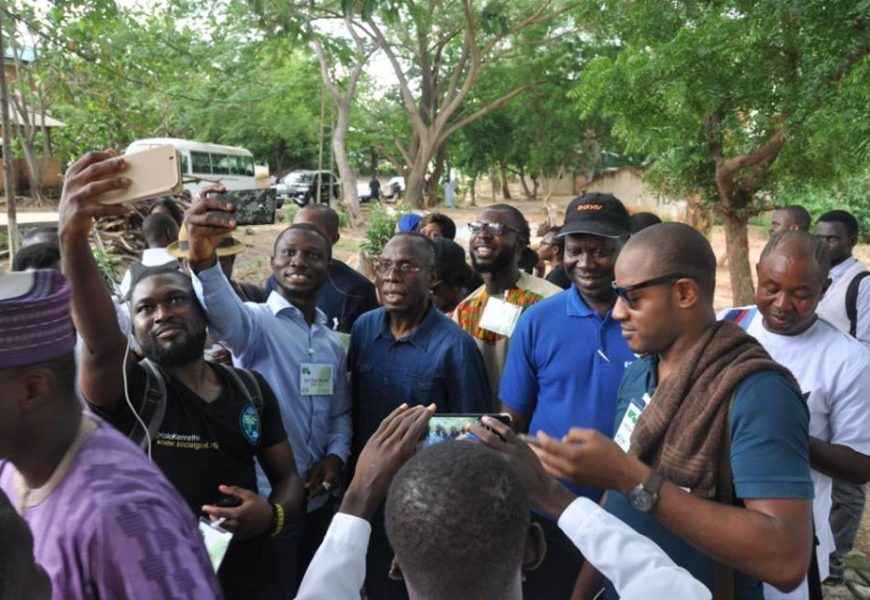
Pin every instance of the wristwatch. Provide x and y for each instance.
(643, 496)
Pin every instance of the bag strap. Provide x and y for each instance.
(246, 383)
(153, 406)
(852, 301)
(741, 316)
(723, 575)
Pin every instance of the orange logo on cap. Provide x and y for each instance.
(590, 207)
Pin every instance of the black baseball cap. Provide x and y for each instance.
(595, 213)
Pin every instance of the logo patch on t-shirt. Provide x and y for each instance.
(250, 423)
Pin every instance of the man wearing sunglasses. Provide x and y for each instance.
(498, 238)
(711, 453)
(407, 352)
(566, 359)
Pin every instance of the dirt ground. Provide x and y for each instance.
(253, 266)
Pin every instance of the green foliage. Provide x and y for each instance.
(108, 264)
(851, 194)
(343, 218)
(290, 210)
(381, 228)
(688, 80)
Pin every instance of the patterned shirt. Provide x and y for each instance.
(529, 290)
(107, 524)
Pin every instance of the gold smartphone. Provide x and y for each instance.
(154, 172)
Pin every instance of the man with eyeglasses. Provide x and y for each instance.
(408, 352)
(710, 458)
(566, 359)
(489, 315)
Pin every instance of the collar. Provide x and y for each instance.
(576, 306)
(837, 271)
(279, 304)
(154, 257)
(420, 336)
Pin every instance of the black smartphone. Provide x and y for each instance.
(228, 502)
(443, 428)
(251, 207)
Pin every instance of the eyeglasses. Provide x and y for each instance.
(491, 228)
(623, 292)
(385, 267)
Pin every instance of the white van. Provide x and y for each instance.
(203, 164)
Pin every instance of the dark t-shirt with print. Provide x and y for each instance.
(201, 445)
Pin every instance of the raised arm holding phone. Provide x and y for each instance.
(212, 428)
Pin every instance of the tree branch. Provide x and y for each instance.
(495, 104)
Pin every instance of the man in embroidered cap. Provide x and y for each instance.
(105, 522)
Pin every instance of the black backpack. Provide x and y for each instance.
(852, 301)
(154, 403)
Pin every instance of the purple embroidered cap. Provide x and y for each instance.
(35, 321)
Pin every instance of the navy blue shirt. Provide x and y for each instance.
(438, 363)
(563, 369)
(343, 297)
(769, 459)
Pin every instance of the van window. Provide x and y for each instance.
(220, 164)
(201, 162)
(248, 165)
(185, 164)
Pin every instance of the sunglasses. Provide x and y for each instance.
(491, 228)
(623, 292)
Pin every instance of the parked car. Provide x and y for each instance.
(301, 187)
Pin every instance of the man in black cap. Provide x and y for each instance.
(566, 359)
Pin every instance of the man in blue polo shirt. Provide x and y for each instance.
(711, 454)
(408, 352)
(566, 359)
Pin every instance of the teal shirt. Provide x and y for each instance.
(769, 459)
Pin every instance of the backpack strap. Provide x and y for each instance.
(723, 575)
(246, 383)
(153, 405)
(852, 301)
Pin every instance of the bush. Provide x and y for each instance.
(379, 232)
(290, 210)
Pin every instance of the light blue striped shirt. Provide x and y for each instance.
(274, 339)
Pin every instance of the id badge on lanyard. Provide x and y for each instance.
(500, 316)
(315, 379)
(629, 421)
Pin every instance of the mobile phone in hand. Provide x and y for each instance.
(444, 428)
(152, 173)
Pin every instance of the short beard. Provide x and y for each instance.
(179, 354)
(501, 262)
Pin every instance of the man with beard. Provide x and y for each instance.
(566, 360)
(408, 352)
(498, 238)
(104, 521)
(289, 341)
(212, 429)
(830, 366)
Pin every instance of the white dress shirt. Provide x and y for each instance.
(637, 567)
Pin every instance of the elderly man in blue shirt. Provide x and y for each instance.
(408, 352)
(287, 340)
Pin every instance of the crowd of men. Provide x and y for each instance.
(186, 435)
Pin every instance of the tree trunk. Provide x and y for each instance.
(437, 173)
(536, 184)
(737, 248)
(526, 189)
(505, 190)
(473, 190)
(350, 198)
(13, 240)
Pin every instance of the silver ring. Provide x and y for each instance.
(326, 485)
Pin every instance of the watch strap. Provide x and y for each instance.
(653, 483)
